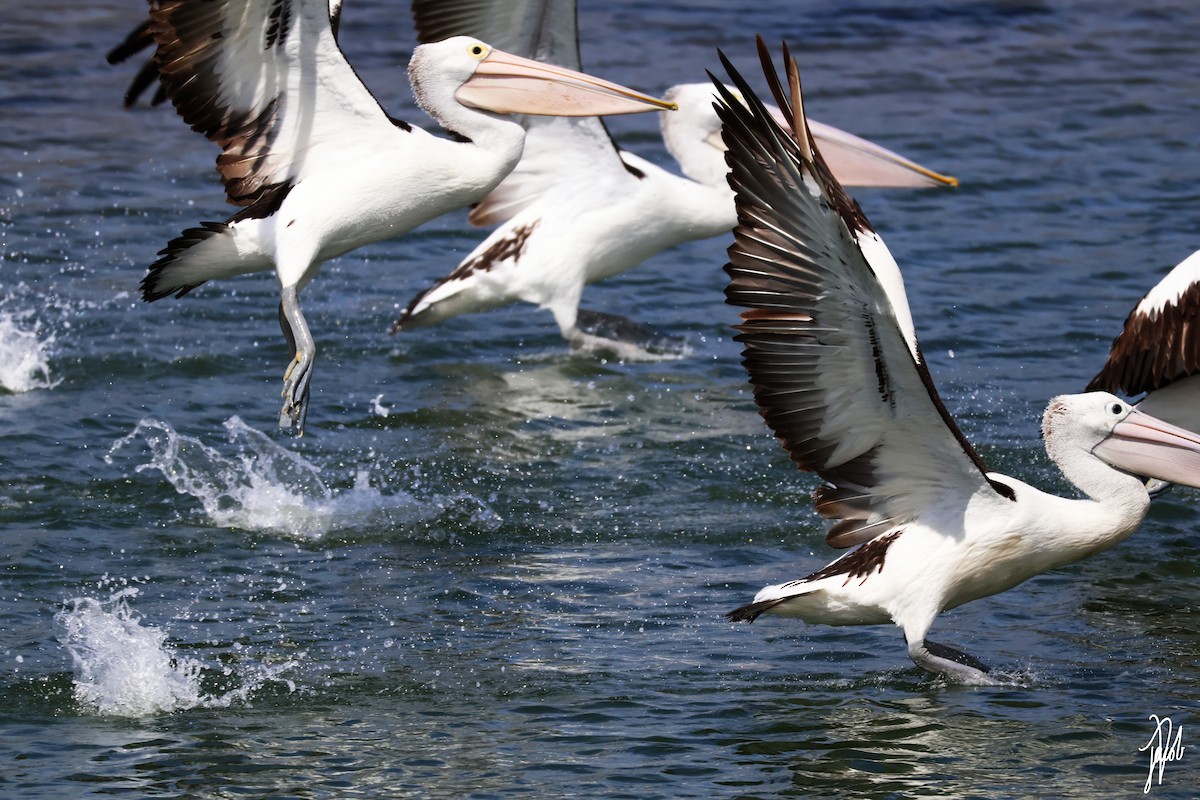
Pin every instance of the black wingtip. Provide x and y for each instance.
(145, 76)
(765, 60)
(407, 319)
(170, 254)
(749, 98)
(741, 615)
(134, 42)
(751, 611)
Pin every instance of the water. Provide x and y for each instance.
(492, 568)
(24, 356)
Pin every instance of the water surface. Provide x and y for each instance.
(493, 568)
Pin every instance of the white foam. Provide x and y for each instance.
(266, 487)
(24, 356)
(126, 668)
(123, 668)
(378, 408)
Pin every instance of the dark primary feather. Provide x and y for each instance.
(189, 56)
(228, 70)
(781, 223)
(137, 40)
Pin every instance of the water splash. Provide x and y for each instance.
(266, 487)
(24, 356)
(124, 667)
(378, 408)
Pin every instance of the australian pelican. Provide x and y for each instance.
(317, 166)
(838, 375)
(579, 209)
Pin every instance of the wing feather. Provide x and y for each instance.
(265, 80)
(827, 334)
(544, 30)
(1160, 342)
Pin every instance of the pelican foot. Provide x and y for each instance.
(295, 394)
(299, 372)
(599, 331)
(954, 664)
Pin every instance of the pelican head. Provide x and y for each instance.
(479, 76)
(1123, 437)
(854, 161)
(693, 133)
(696, 114)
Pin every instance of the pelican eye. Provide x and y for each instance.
(477, 50)
(1116, 409)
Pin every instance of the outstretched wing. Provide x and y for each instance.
(1160, 343)
(828, 337)
(556, 148)
(265, 80)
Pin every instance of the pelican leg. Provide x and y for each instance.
(599, 332)
(299, 372)
(613, 326)
(623, 329)
(945, 660)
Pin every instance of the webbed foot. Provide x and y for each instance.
(598, 331)
(295, 394)
(954, 664)
(297, 378)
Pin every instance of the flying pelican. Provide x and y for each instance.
(578, 208)
(318, 167)
(1157, 354)
(838, 375)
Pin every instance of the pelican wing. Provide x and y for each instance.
(544, 30)
(1160, 343)
(265, 80)
(828, 338)
(556, 148)
(136, 41)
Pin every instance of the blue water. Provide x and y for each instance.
(492, 568)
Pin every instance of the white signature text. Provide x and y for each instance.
(1166, 744)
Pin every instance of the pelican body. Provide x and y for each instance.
(838, 375)
(578, 209)
(317, 166)
(606, 212)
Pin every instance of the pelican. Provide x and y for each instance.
(1157, 354)
(578, 209)
(317, 166)
(838, 375)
